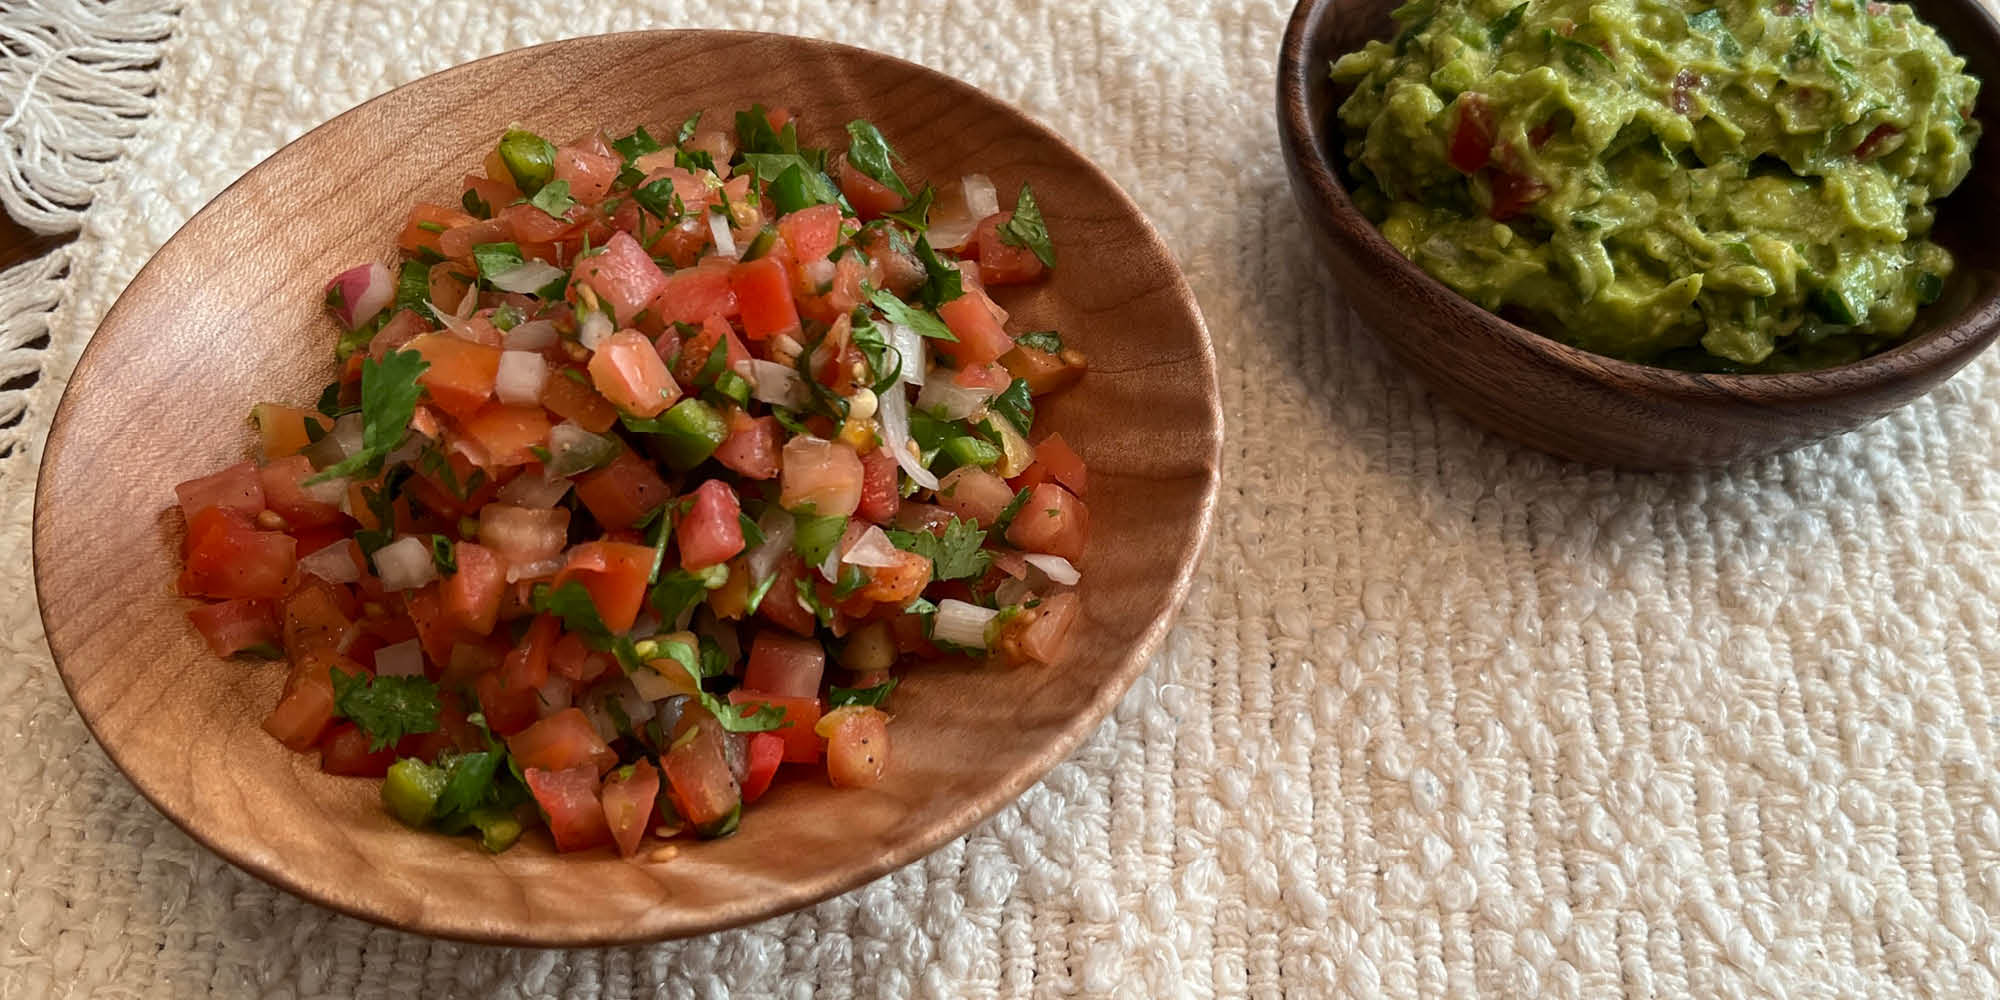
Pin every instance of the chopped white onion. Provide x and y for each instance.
(534, 335)
(401, 659)
(774, 383)
(872, 549)
(527, 278)
(619, 691)
(519, 380)
(346, 434)
(943, 395)
(652, 685)
(829, 568)
(594, 330)
(1056, 568)
(981, 198)
(1012, 591)
(778, 527)
(553, 696)
(404, 564)
(333, 563)
(962, 624)
(725, 241)
(892, 411)
(909, 345)
(535, 492)
(573, 449)
(327, 491)
(534, 570)
(409, 451)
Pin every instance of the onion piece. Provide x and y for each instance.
(333, 563)
(520, 377)
(962, 624)
(778, 527)
(892, 411)
(327, 491)
(981, 198)
(872, 549)
(1056, 568)
(534, 492)
(594, 330)
(538, 570)
(362, 292)
(401, 659)
(725, 241)
(943, 395)
(829, 568)
(534, 335)
(1012, 591)
(526, 278)
(405, 564)
(553, 696)
(774, 383)
(909, 345)
(573, 448)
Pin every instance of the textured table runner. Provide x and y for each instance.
(1443, 716)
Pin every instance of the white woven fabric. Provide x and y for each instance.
(1444, 717)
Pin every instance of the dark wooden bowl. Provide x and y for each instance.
(228, 313)
(1585, 406)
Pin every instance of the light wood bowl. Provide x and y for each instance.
(1584, 406)
(228, 314)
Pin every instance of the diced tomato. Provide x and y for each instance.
(623, 276)
(531, 225)
(234, 626)
(521, 535)
(751, 450)
(570, 803)
(765, 751)
(459, 494)
(1513, 193)
(1052, 521)
(420, 229)
(509, 709)
(508, 434)
(571, 658)
(912, 635)
(1876, 139)
(812, 233)
(302, 714)
(710, 533)
(899, 584)
(423, 746)
(237, 488)
(702, 787)
(764, 295)
(281, 429)
(472, 595)
(527, 664)
(824, 474)
(1047, 636)
(284, 495)
(615, 575)
(228, 559)
(857, 745)
(576, 399)
(786, 666)
(1044, 372)
(437, 633)
(461, 373)
(457, 242)
(781, 603)
(801, 744)
(318, 616)
(1000, 262)
(496, 192)
(624, 492)
(563, 740)
(975, 494)
(628, 803)
(450, 282)
(628, 372)
(692, 295)
(1471, 133)
(871, 198)
(1062, 463)
(344, 750)
(980, 336)
(694, 354)
(879, 497)
(589, 174)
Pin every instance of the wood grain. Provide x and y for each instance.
(1584, 406)
(227, 314)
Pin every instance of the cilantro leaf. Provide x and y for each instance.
(686, 131)
(389, 392)
(382, 505)
(697, 662)
(495, 259)
(695, 159)
(660, 200)
(872, 697)
(475, 205)
(1017, 406)
(386, 708)
(955, 555)
(468, 782)
(755, 135)
(903, 314)
(852, 578)
(444, 555)
(1047, 341)
(638, 144)
(942, 282)
(815, 536)
(917, 214)
(413, 287)
(572, 603)
(757, 593)
(1010, 512)
(554, 199)
(817, 186)
(680, 591)
(870, 154)
(1025, 228)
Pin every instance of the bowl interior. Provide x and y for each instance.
(1324, 30)
(228, 314)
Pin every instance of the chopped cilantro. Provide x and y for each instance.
(753, 536)
(444, 555)
(695, 159)
(1025, 228)
(554, 199)
(413, 287)
(815, 536)
(638, 144)
(1010, 512)
(816, 187)
(917, 214)
(1017, 406)
(686, 131)
(475, 205)
(1047, 341)
(956, 555)
(871, 154)
(852, 578)
(572, 603)
(386, 708)
(660, 200)
(389, 392)
(495, 259)
(941, 279)
(872, 697)
(903, 314)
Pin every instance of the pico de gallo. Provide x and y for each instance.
(651, 462)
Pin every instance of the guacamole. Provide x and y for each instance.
(1743, 186)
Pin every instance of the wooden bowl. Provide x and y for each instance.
(1586, 406)
(228, 313)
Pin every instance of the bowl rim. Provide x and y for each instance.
(957, 821)
(1306, 140)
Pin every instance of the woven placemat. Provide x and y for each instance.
(1443, 716)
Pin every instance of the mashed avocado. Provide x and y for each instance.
(1743, 186)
